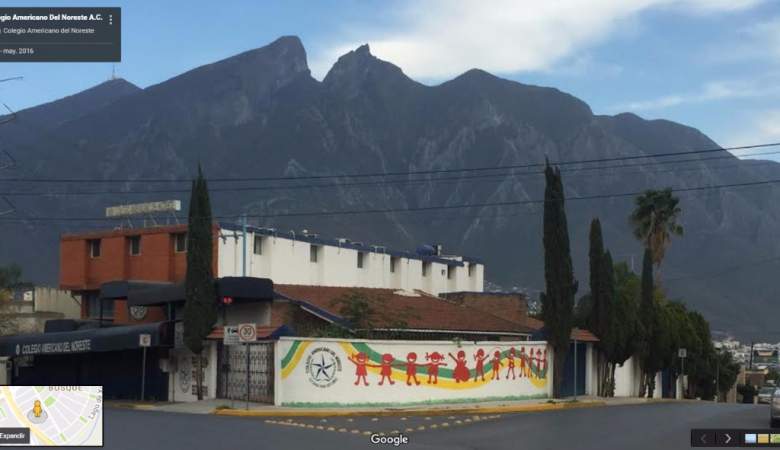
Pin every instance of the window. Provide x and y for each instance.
(94, 248)
(393, 261)
(134, 245)
(258, 245)
(93, 300)
(313, 253)
(426, 267)
(180, 242)
(360, 256)
(472, 269)
(450, 272)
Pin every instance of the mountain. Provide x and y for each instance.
(261, 114)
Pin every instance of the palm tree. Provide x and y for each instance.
(654, 220)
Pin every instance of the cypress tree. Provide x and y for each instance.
(597, 317)
(560, 285)
(200, 308)
(648, 321)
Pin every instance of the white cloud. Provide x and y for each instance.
(437, 39)
(761, 126)
(712, 91)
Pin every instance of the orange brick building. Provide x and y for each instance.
(88, 260)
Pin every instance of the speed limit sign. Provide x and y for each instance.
(247, 332)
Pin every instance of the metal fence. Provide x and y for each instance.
(236, 370)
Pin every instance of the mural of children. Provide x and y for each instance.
(461, 372)
(360, 360)
(435, 359)
(523, 369)
(411, 369)
(539, 364)
(544, 364)
(386, 369)
(480, 369)
(511, 364)
(496, 362)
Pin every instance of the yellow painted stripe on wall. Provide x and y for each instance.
(399, 375)
(295, 359)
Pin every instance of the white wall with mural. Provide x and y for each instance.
(183, 366)
(335, 372)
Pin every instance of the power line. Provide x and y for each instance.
(434, 208)
(389, 174)
(379, 183)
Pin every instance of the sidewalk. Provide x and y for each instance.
(238, 408)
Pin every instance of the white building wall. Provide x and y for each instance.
(627, 379)
(296, 384)
(288, 261)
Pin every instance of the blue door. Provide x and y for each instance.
(567, 384)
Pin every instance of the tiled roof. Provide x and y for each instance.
(576, 333)
(416, 311)
(262, 332)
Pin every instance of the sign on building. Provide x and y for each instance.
(230, 335)
(144, 340)
(247, 332)
(143, 208)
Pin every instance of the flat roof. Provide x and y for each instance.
(359, 246)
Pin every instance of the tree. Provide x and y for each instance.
(727, 371)
(10, 277)
(600, 315)
(200, 308)
(626, 330)
(649, 326)
(654, 221)
(560, 286)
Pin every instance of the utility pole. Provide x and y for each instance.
(717, 375)
(243, 250)
(575, 369)
(751, 355)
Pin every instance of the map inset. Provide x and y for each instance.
(54, 415)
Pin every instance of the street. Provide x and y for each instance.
(649, 426)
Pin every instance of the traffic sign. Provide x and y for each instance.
(144, 340)
(682, 353)
(247, 332)
(230, 335)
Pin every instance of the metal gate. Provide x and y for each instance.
(233, 367)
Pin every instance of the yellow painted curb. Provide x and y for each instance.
(505, 409)
(131, 406)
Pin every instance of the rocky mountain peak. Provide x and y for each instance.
(358, 69)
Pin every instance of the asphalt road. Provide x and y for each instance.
(636, 427)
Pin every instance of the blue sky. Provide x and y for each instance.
(711, 64)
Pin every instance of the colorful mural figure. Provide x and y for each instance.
(386, 369)
(461, 372)
(436, 360)
(544, 362)
(360, 361)
(511, 364)
(538, 361)
(479, 371)
(496, 364)
(523, 370)
(411, 369)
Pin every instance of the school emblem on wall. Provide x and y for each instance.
(323, 367)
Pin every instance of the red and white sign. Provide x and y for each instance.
(247, 332)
